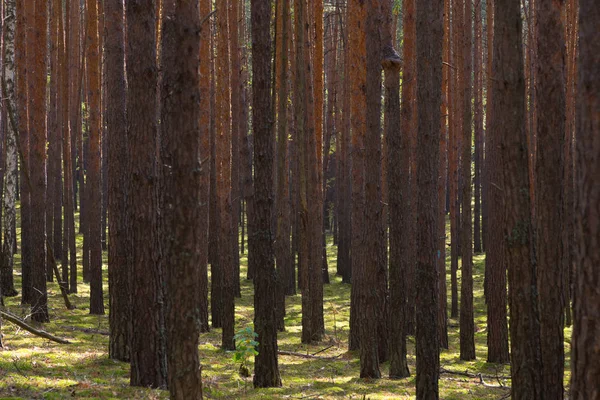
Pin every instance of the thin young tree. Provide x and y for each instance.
(586, 335)
(429, 41)
(509, 107)
(550, 113)
(148, 362)
(180, 153)
(266, 368)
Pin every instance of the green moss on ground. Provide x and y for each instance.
(34, 368)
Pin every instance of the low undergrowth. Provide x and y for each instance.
(34, 368)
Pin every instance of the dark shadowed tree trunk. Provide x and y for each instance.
(204, 132)
(397, 311)
(586, 329)
(223, 170)
(467, 324)
(357, 59)
(509, 107)
(266, 369)
(37, 176)
(148, 362)
(550, 113)
(429, 84)
(180, 120)
(495, 264)
(93, 181)
(119, 243)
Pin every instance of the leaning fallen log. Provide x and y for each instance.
(19, 322)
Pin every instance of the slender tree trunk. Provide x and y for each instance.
(75, 73)
(550, 113)
(180, 124)
(408, 126)
(495, 264)
(119, 243)
(266, 369)
(586, 338)
(356, 41)
(223, 165)
(234, 51)
(429, 44)
(397, 310)
(25, 14)
(37, 145)
(148, 363)
(204, 132)
(8, 248)
(93, 182)
(509, 108)
(478, 125)
(467, 323)
(442, 184)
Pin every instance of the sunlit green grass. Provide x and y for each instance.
(31, 367)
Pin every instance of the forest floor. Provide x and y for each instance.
(35, 368)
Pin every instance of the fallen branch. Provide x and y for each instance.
(471, 375)
(86, 330)
(302, 355)
(17, 321)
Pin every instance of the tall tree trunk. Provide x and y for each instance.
(442, 183)
(9, 221)
(495, 264)
(37, 145)
(25, 14)
(266, 369)
(204, 132)
(453, 156)
(509, 110)
(148, 363)
(75, 78)
(357, 59)
(180, 125)
(467, 323)
(119, 243)
(408, 126)
(397, 309)
(478, 124)
(430, 26)
(550, 113)
(234, 51)
(586, 335)
(223, 166)
(93, 181)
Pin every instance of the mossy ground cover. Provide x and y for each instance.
(34, 368)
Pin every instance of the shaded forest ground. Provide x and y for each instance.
(34, 368)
